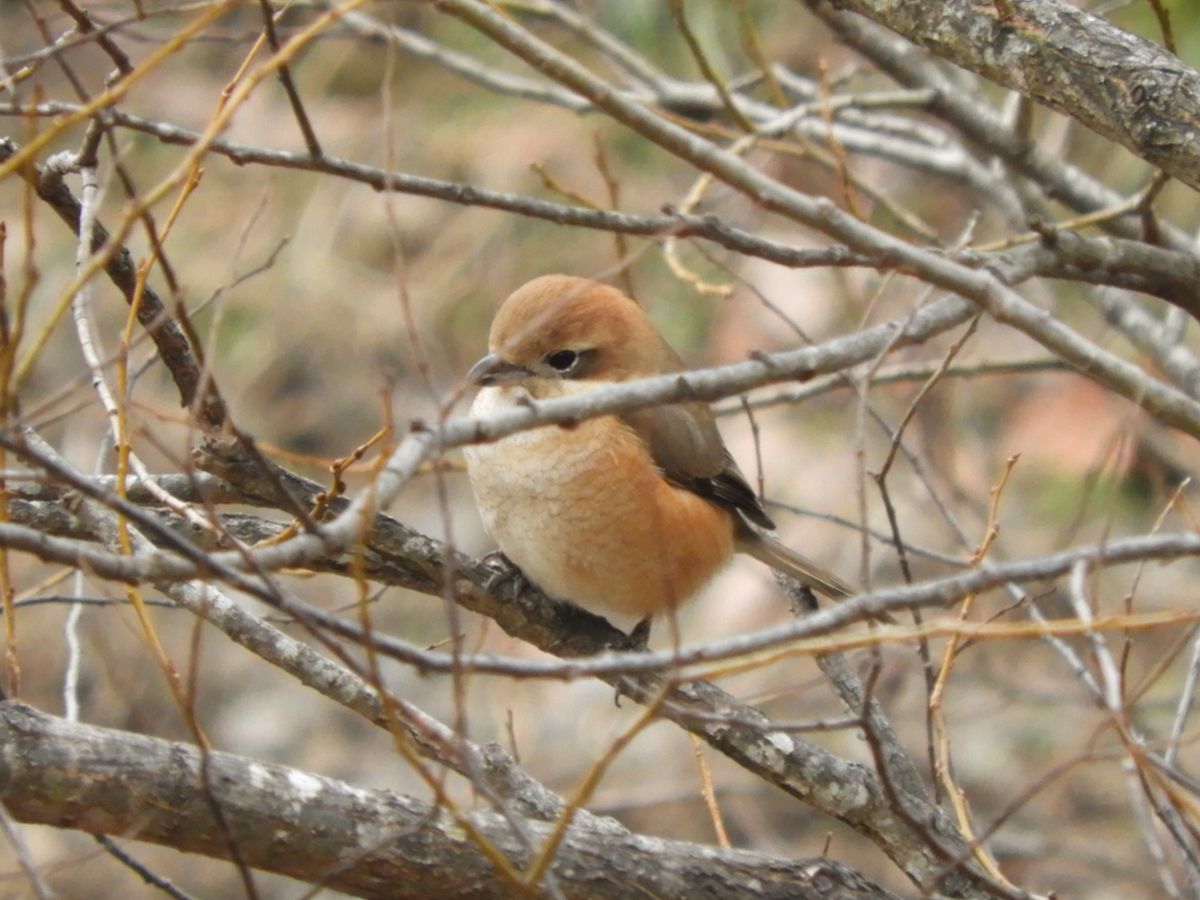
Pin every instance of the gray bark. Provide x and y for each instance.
(363, 842)
(1119, 85)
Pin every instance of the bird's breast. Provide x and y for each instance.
(585, 513)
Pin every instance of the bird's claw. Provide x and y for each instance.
(637, 641)
(639, 638)
(505, 578)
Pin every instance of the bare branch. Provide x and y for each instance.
(1119, 85)
(373, 844)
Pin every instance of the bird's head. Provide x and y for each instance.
(558, 328)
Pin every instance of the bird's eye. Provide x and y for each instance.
(563, 360)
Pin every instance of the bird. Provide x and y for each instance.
(626, 515)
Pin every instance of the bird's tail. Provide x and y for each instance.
(785, 559)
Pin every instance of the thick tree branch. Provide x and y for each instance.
(371, 843)
(1116, 83)
(984, 127)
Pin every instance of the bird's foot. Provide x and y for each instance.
(639, 638)
(505, 579)
(637, 641)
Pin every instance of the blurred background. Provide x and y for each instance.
(328, 308)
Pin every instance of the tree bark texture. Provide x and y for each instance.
(364, 842)
(1117, 84)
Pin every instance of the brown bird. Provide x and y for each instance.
(631, 513)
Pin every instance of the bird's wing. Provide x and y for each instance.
(685, 443)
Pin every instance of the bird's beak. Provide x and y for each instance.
(494, 370)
